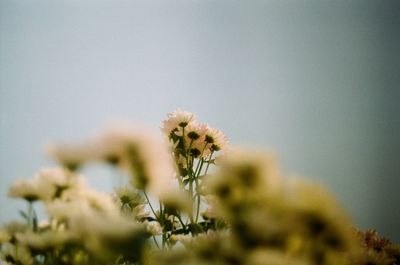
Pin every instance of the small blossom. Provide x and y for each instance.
(216, 139)
(176, 120)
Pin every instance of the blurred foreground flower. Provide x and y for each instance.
(191, 199)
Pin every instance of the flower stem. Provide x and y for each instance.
(148, 201)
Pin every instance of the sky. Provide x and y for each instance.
(314, 82)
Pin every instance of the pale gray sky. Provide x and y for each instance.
(314, 81)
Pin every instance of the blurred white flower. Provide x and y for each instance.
(27, 189)
(184, 239)
(83, 202)
(58, 181)
(153, 228)
(141, 152)
(47, 240)
(70, 155)
(47, 184)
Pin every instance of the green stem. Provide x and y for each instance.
(208, 164)
(148, 201)
(201, 155)
(30, 214)
(197, 208)
(191, 196)
(182, 223)
(155, 241)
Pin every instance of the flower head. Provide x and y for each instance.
(176, 120)
(216, 139)
(70, 155)
(140, 152)
(26, 189)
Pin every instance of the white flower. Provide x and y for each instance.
(46, 185)
(70, 155)
(216, 139)
(140, 211)
(176, 199)
(103, 234)
(64, 210)
(84, 202)
(153, 228)
(57, 177)
(195, 134)
(58, 182)
(177, 119)
(127, 196)
(99, 201)
(184, 239)
(46, 240)
(141, 152)
(27, 189)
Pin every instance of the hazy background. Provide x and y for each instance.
(315, 81)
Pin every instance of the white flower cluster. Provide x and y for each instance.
(137, 150)
(48, 184)
(242, 213)
(198, 138)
